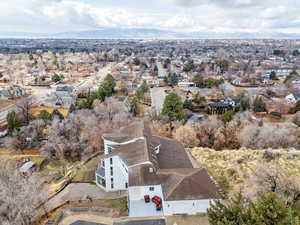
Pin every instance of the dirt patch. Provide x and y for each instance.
(187, 220)
(5, 103)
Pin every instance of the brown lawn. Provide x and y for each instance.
(36, 111)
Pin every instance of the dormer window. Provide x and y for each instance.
(156, 149)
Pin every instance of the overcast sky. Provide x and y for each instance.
(260, 16)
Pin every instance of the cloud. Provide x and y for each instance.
(188, 3)
(222, 3)
(229, 16)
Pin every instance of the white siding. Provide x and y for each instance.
(120, 176)
(190, 207)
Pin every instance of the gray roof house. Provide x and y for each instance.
(148, 165)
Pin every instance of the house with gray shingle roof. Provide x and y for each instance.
(149, 165)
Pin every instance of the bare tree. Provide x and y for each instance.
(25, 107)
(206, 131)
(267, 136)
(227, 137)
(28, 137)
(79, 136)
(187, 136)
(271, 177)
(19, 197)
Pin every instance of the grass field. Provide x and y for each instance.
(86, 174)
(231, 168)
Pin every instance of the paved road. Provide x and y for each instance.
(158, 96)
(95, 80)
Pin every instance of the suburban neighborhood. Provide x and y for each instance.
(147, 132)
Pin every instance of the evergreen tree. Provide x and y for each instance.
(173, 107)
(259, 105)
(228, 116)
(199, 81)
(139, 94)
(271, 209)
(173, 79)
(224, 65)
(44, 115)
(189, 66)
(232, 213)
(72, 108)
(188, 104)
(134, 106)
(245, 104)
(13, 122)
(56, 78)
(107, 87)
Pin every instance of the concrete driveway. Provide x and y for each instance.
(80, 191)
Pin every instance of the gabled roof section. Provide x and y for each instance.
(188, 184)
(136, 129)
(172, 154)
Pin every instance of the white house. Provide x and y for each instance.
(293, 97)
(144, 164)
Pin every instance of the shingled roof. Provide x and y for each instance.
(134, 130)
(132, 153)
(188, 184)
(170, 167)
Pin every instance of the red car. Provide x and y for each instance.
(147, 198)
(158, 207)
(156, 200)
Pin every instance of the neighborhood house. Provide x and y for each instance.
(156, 172)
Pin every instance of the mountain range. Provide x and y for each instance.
(140, 33)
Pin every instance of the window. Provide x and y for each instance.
(109, 149)
(111, 171)
(111, 161)
(151, 189)
(112, 179)
(101, 181)
(112, 186)
(103, 163)
(126, 185)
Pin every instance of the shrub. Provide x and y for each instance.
(187, 136)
